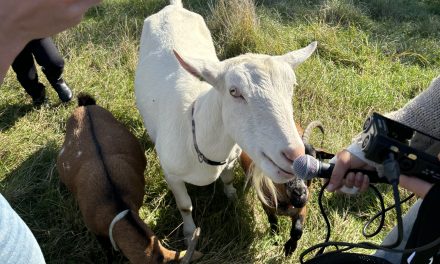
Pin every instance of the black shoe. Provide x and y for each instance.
(64, 92)
(39, 95)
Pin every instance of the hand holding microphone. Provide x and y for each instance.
(348, 171)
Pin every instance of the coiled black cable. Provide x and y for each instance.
(380, 213)
(392, 172)
(365, 245)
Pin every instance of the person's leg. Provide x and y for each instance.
(408, 222)
(24, 68)
(48, 57)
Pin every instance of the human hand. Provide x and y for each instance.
(25, 20)
(360, 182)
(351, 181)
(31, 19)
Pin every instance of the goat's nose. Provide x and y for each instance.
(291, 153)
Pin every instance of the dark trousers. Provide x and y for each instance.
(47, 56)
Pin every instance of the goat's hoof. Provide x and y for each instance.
(290, 247)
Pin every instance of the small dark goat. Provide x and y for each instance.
(102, 164)
(291, 196)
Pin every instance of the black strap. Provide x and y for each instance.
(200, 155)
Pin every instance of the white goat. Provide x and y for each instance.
(197, 109)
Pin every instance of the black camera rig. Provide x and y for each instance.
(396, 147)
(382, 136)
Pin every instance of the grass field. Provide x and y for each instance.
(373, 55)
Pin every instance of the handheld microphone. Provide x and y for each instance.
(307, 167)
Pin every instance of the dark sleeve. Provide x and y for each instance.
(426, 229)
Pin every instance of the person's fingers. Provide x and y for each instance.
(359, 179)
(349, 180)
(341, 167)
(365, 184)
(355, 183)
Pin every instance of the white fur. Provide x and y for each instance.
(262, 124)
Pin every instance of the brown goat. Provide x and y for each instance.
(102, 164)
(291, 196)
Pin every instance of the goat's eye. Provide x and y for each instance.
(234, 92)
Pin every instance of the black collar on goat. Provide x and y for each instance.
(201, 157)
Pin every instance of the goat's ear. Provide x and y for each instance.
(296, 57)
(203, 70)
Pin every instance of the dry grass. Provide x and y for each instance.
(234, 26)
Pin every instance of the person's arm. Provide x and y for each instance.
(415, 185)
(25, 20)
(421, 113)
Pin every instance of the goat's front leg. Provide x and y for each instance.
(271, 217)
(185, 206)
(227, 177)
(296, 231)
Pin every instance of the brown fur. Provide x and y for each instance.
(102, 164)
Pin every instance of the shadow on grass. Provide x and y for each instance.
(34, 191)
(9, 114)
(226, 226)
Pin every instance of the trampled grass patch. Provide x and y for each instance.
(372, 56)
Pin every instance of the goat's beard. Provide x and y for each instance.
(264, 187)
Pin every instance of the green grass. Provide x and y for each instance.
(372, 56)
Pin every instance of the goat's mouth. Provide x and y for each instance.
(280, 171)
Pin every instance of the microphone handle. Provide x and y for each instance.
(326, 169)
